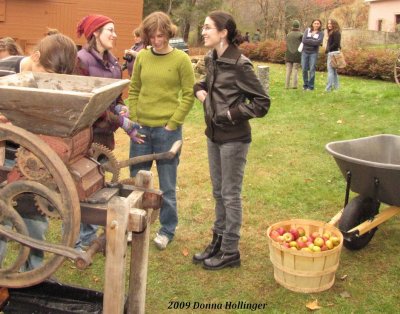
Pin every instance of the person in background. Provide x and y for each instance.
(131, 54)
(292, 55)
(246, 37)
(231, 94)
(332, 47)
(312, 39)
(160, 97)
(95, 59)
(257, 36)
(8, 47)
(53, 54)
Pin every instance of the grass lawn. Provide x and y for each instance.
(289, 175)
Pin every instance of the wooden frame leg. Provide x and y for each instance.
(140, 256)
(116, 244)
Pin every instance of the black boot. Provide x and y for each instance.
(222, 260)
(210, 250)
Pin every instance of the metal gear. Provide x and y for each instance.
(106, 159)
(30, 165)
(45, 208)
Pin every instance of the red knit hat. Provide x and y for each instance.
(91, 23)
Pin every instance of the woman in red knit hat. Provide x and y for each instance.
(96, 59)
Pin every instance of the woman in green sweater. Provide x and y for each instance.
(160, 97)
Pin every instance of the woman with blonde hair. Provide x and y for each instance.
(160, 97)
(332, 47)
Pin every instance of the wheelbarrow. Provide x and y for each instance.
(371, 167)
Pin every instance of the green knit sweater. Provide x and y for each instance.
(161, 89)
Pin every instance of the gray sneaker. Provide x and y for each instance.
(161, 241)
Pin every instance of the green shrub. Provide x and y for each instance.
(365, 62)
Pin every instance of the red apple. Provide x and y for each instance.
(294, 233)
(280, 230)
(301, 231)
(300, 243)
(286, 245)
(324, 248)
(315, 235)
(319, 241)
(274, 235)
(288, 237)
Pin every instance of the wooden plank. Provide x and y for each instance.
(114, 281)
(139, 256)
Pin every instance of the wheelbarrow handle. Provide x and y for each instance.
(175, 148)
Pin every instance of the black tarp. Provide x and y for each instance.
(51, 297)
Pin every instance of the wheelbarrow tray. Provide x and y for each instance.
(374, 164)
(56, 104)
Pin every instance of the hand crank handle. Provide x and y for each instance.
(166, 155)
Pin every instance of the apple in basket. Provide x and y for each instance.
(294, 233)
(301, 231)
(326, 235)
(315, 235)
(287, 236)
(335, 240)
(274, 235)
(280, 230)
(329, 244)
(293, 244)
(319, 241)
(300, 243)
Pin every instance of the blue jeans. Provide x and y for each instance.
(227, 162)
(37, 227)
(159, 140)
(333, 79)
(309, 65)
(86, 235)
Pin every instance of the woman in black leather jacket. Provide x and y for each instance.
(231, 94)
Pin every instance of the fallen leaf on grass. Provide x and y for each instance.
(185, 252)
(95, 279)
(313, 305)
(339, 121)
(343, 277)
(345, 294)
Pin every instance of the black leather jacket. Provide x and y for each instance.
(232, 85)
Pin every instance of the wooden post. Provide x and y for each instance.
(139, 255)
(114, 275)
(263, 74)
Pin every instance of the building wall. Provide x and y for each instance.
(27, 20)
(385, 10)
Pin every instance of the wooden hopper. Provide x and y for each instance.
(56, 104)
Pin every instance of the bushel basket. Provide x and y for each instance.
(303, 271)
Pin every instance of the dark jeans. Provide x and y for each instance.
(227, 162)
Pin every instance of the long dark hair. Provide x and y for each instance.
(335, 26)
(223, 21)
